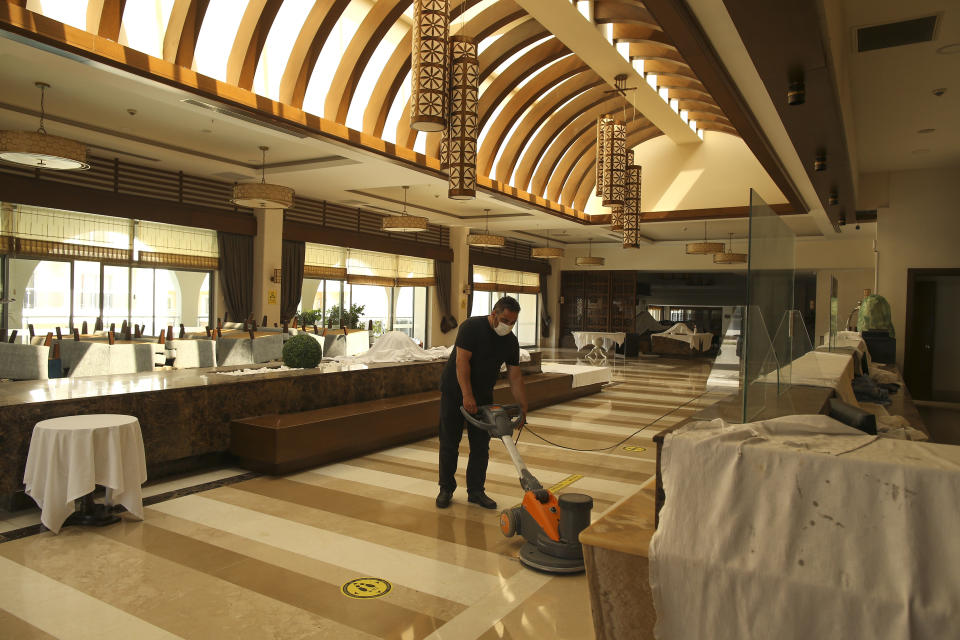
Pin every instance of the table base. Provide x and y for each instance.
(91, 514)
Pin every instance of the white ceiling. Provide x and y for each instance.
(892, 89)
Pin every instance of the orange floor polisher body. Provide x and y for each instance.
(550, 525)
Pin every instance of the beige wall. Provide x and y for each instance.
(920, 229)
(717, 173)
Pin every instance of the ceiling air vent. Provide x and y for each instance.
(896, 34)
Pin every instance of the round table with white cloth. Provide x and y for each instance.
(69, 456)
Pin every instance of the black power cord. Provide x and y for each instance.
(613, 446)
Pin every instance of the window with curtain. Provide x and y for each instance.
(490, 284)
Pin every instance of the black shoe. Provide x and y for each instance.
(481, 499)
(444, 498)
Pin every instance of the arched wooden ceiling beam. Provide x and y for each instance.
(306, 50)
(546, 148)
(698, 104)
(523, 35)
(582, 181)
(689, 94)
(248, 45)
(183, 29)
(570, 94)
(517, 105)
(381, 17)
(670, 81)
(526, 65)
(654, 51)
(104, 18)
(571, 141)
(642, 34)
(623, 12)
(487, 22)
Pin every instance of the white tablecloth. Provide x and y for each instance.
(801, 527)
(583, 375)
(697, 341)
(70, 455)
(585, 338)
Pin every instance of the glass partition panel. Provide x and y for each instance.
(834, 311)
(770, 279)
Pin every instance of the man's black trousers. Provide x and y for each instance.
(451, 432)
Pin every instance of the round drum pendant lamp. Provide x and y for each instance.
(403, 222)
(261, 195)
(41, 150)
(485, 239)
(428, 65)
(590, 260)
(704, 248)
(727, 256)
(463, 131)
(546, 252)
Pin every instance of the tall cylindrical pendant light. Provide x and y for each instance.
(462, 134)
(631, 208)
(614, 162)
(428, 65)
(444, 150)
(601, 123)
(616, 218)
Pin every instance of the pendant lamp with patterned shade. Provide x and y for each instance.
(631, 208)
(463, 131)
(614, 162)
(616, 218)
(601, 124)
(429, 65)
(704, 248)
(40, 150)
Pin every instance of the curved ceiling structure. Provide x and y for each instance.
(349, 62)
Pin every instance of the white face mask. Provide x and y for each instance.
(503, 328)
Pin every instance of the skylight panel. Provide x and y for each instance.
(71, 12)
(144, 25)
(276, 52)
(331, 54)
(217, 34)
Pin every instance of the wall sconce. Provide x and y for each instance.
(796, 93)
(277, 276)
(820, 161)
(833, 198)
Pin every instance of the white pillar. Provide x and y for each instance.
(190, 283)
(267, 256)
(458, 284)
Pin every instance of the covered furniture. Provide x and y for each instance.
(680, 340)
(23, 361)
(609, 338)
(191, 354)
(69, 456)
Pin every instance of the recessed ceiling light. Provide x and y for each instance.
(949, 49)
(925, 130)
(918, 152)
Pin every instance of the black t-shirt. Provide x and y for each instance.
(489, 351)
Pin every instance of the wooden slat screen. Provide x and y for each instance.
(324, 273)
(505, 288)
(374, 280)
(52, 249)
(157, 259)
(416, 282)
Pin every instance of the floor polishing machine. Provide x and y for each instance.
(550, 525)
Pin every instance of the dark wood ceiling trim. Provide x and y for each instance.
(686, 32)
(304, 232)
(715, 213)
(56, 195)
(784, 39)
(506, 262)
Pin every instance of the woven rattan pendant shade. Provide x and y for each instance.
(485, 239)
(590, 260)
(42, 151)
(262, 195)
(462, 135)
(429, 66)
(403, 222)
(704, 248)
(546, 252)
(728, 256)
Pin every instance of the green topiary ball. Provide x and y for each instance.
(302, 352)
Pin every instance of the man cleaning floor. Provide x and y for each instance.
(484, 343)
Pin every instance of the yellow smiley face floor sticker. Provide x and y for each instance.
(364, 588)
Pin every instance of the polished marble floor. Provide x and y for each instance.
(266, 557)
